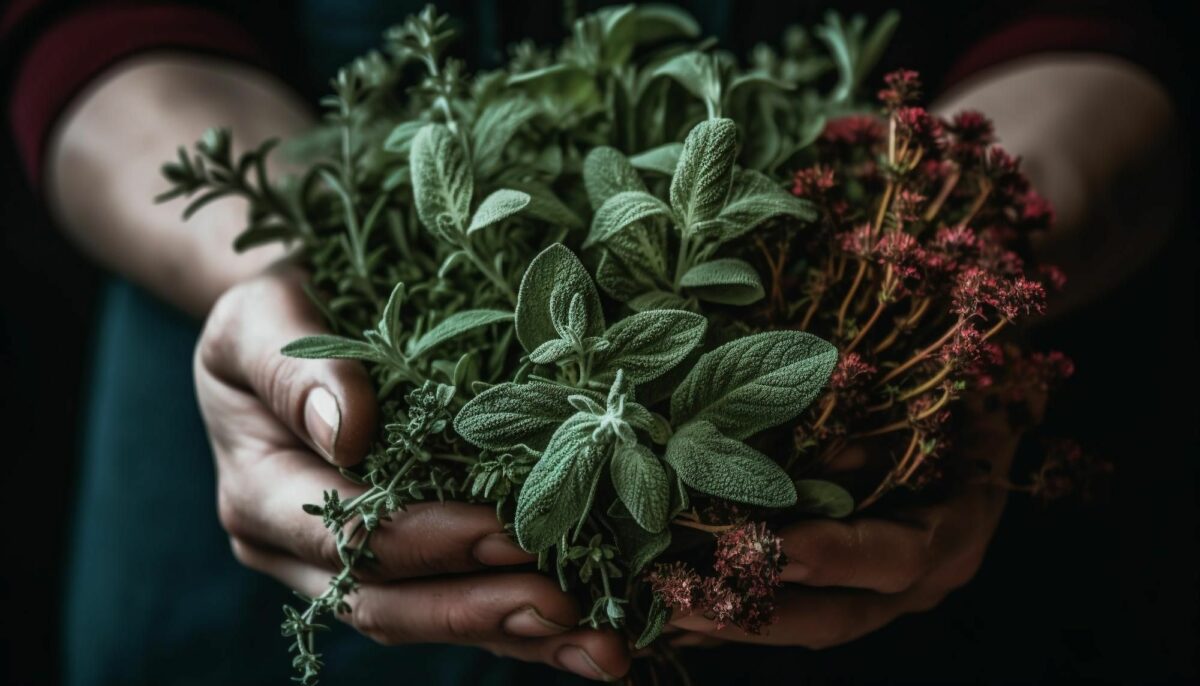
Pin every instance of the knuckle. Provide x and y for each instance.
(462, 623)
(367, 620)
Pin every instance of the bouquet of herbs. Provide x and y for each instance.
(638, 295)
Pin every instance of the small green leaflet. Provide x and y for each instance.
(558, 491)
(641, 483)
(656, 618)
(457, 324)
(497, 207)
(661, 160)
(701, 182)
(726, 468)
(753, 199)
(726, 281)
(331, 347)
(638, 546)
(510, 414)
(648, 344)
(494, 128)
(545, 296)
(442, 182)
(755, 382)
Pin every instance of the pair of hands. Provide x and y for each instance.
(447, 573)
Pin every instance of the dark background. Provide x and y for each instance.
(1097, 593)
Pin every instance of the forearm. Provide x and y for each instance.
(1094, 133)
(103, 162)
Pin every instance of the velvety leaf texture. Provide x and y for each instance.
(509, 415)
(457, 324)
(720, 466)
(607, 172)
(558, 491)
(497, 207)
(641, 482)
(330, 347)
(823, 498)
(701, 182)
(753, 199)
(656, 618)
(662, 160)
(495, 127)
(755, 382)
(555, 271)
(442, 182)
(638, 546)
(648, 344)
(727, 281)
(621, 211)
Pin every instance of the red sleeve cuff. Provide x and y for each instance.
(1046, 33)
(79, 47)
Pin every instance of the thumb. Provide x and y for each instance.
(327, 404)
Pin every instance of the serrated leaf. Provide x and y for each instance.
(648, 344)
(824, 498)
(442, 182)
(641, 483)
(331, 348)
(549, 282)
(755, 382)
(508, 415)
(662, 160)
(723, 467)
(622, 211)
(702, 179)
(753, 199)
(607, 172)
(727, 281)
(656, 618)
(456, 325)
(497, 207)
(559, 489)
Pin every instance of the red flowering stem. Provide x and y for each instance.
(934, 408)
(918, 310)
(886, 429)
(930, 384)
(976, 206)
(947, 188)
(826, 410)
(858, 277)
(879, 308)
(889, 480)
(812, 310)
(995, 329)
(701, 526)
(883, 205)
(926, 352)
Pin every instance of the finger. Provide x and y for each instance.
(328, 404)
(598, 655)
(692, 639)
(262, 502)
(816, 618)
(465, 609)
(873, 554)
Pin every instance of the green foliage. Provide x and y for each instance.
(443, 218)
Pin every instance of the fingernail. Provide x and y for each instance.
(529, 623)
(322, 418)
(576, 659)
(499, 549)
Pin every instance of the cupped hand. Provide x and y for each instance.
(845, 579)
(445, 572)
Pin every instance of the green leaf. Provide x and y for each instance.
(456, 325)
(648, 344)
(753, 199)
(823, 498)
(726, 468)
(558, 491)
(331, 347)
(497, 207)
(545, 297)
(545, 206)
(509, 415)
(656, 618)
(638, 547)
(551, 351)
(442, 182)
(656, 300)
(701, 182)
(607, 172)
(621, 211)
(727, 281)
(494, 128)
(755, 382)
(662, 160)
(696, 72)
(400, 139)
(641, 483)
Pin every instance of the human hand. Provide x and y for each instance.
(276, 424)
(845, 579)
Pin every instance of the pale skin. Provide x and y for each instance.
(279, 426)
